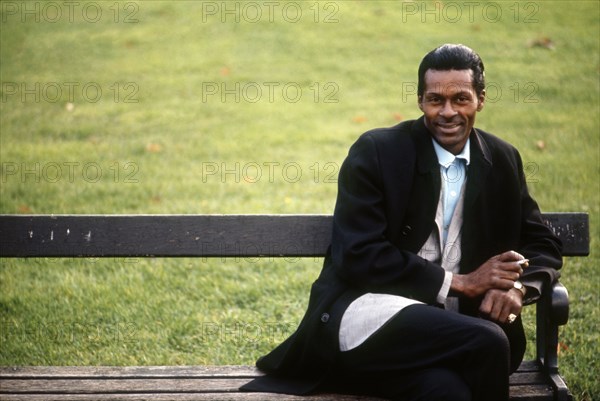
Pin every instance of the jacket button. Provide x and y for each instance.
(406, 229)
(325, 317)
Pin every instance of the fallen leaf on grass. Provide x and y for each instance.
(541, 145)
(153, 148)
(544, 42)
(24, 209)
(131, 44)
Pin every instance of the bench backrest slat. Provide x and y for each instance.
(202, 235)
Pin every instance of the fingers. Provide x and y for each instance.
(511, 261)
(500, 306)
(513, 256)
(498, 272)
(503, 284)
(504, 274)
(497, 312)
(499, 303)
(510, 275)
(501, 313)
(509, 256)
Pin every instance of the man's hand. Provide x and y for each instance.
(497, 305)
(498, 273)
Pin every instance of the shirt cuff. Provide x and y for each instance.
(443, 294)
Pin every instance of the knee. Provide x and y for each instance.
(491, 349)
(491, 338)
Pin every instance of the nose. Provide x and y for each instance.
(447, 111)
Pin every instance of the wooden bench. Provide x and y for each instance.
(228, 236)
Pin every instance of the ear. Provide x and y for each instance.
(481, 100)
(420, 102)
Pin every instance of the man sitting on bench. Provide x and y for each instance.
(436, 246)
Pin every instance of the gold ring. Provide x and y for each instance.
(511, 318)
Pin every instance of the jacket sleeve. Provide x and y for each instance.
(538, 244)
(362, 253)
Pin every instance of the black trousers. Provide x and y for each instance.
(427, 353)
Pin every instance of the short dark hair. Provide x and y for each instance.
(453, 57)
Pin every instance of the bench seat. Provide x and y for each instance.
(188, 383)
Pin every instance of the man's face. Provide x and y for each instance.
(449, 104)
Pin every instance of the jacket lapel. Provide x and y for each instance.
(425, 192)
(481, 163)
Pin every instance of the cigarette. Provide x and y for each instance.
(524, 262)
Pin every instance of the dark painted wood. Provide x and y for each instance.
(202, 235)
(160, 235)
(574, 231)
(229, 236)
(186, 383)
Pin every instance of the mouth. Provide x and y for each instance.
(449, 128)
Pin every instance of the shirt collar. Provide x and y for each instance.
(446, 158)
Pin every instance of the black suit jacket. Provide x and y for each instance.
(388, 191)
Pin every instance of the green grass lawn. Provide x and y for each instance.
(250, 107)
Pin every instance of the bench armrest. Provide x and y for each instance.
(552, 311)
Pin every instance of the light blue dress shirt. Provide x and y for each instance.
(454, 172)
